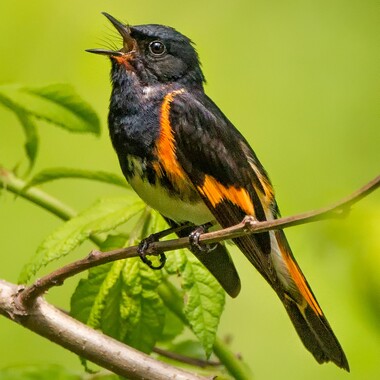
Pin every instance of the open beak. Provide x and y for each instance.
(125, 32)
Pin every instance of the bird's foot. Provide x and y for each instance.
(195, 244)
(143, 247)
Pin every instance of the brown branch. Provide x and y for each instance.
(248, 226)
(51, 323)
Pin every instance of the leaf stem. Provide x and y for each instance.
(235, 366)
(16, 186)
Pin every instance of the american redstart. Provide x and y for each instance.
(184, 158)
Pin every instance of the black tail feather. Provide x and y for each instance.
(316, 334)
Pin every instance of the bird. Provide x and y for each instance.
(186, 159)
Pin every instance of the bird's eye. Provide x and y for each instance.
(157, 48)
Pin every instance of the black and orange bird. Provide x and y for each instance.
(184, 158)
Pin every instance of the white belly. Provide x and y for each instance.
(175, 209)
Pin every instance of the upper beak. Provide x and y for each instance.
(125, 32)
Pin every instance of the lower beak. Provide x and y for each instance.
(125, 32)
(105, 52)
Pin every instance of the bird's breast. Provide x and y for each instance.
(178, 201)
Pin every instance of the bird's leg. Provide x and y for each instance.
(194, 239)
(142, 248)
(145, 243)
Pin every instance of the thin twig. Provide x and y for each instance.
(17, 186)
(186, 359)
(248, 226)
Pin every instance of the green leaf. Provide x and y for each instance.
(30, 130)
(103, 216)
(86, 293)
(176, 262)
(31, 143)
(58, 104)
(121, 298)
(204, 302)
(53, 174)
(113, 241)
(142, 307)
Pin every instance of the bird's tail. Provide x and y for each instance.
(303, 308)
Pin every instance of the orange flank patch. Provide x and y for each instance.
(215, 192)
(165, 146)
(300, 281)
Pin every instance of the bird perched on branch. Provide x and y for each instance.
(184, 158)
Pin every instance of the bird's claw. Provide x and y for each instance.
(195, 244)
(143, 247)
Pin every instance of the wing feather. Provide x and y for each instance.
(232, 182)
(224, 170)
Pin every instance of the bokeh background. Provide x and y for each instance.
(299, 78)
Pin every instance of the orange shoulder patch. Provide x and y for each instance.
(165, 145)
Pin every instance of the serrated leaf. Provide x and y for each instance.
(53, 174)
(176, 262)
(128, 310)
(83, 298)
(122, 299)
(30, 130)
(103, 216)
(105, 313)
(148, 330)
(204, 302)
(141, 306)
(58, 104)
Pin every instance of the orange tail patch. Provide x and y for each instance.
(297, 276)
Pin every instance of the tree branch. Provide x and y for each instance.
(248, 226)
(49, 322)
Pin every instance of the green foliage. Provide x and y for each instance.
(105, 215)
(204, 297)
(57, 104)
(205, 302)
(121, 298)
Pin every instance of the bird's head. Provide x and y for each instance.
(155, 54)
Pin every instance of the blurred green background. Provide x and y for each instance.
(300, 79)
